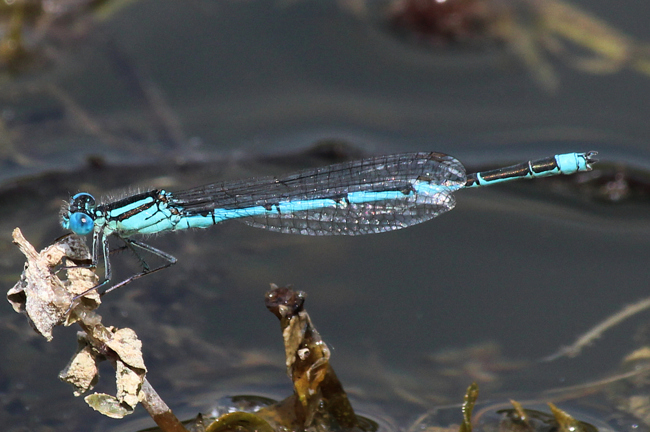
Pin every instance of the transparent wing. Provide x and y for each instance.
(357, 219)
(382, 173)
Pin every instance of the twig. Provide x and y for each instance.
(584, 340)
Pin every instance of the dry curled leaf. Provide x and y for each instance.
(82, 371)
(41, 293)
(108, 405)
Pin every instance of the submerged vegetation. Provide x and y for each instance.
(535, 31)
(53, 277)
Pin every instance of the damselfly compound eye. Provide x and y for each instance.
(81, 224)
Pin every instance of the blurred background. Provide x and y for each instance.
(114, 96)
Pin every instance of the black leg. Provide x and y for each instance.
(128, 244)
(108, 273)
(137, 244)
(107, 264)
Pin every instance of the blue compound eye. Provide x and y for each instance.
(81, 224)
(82, 202)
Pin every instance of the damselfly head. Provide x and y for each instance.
(79, 214)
